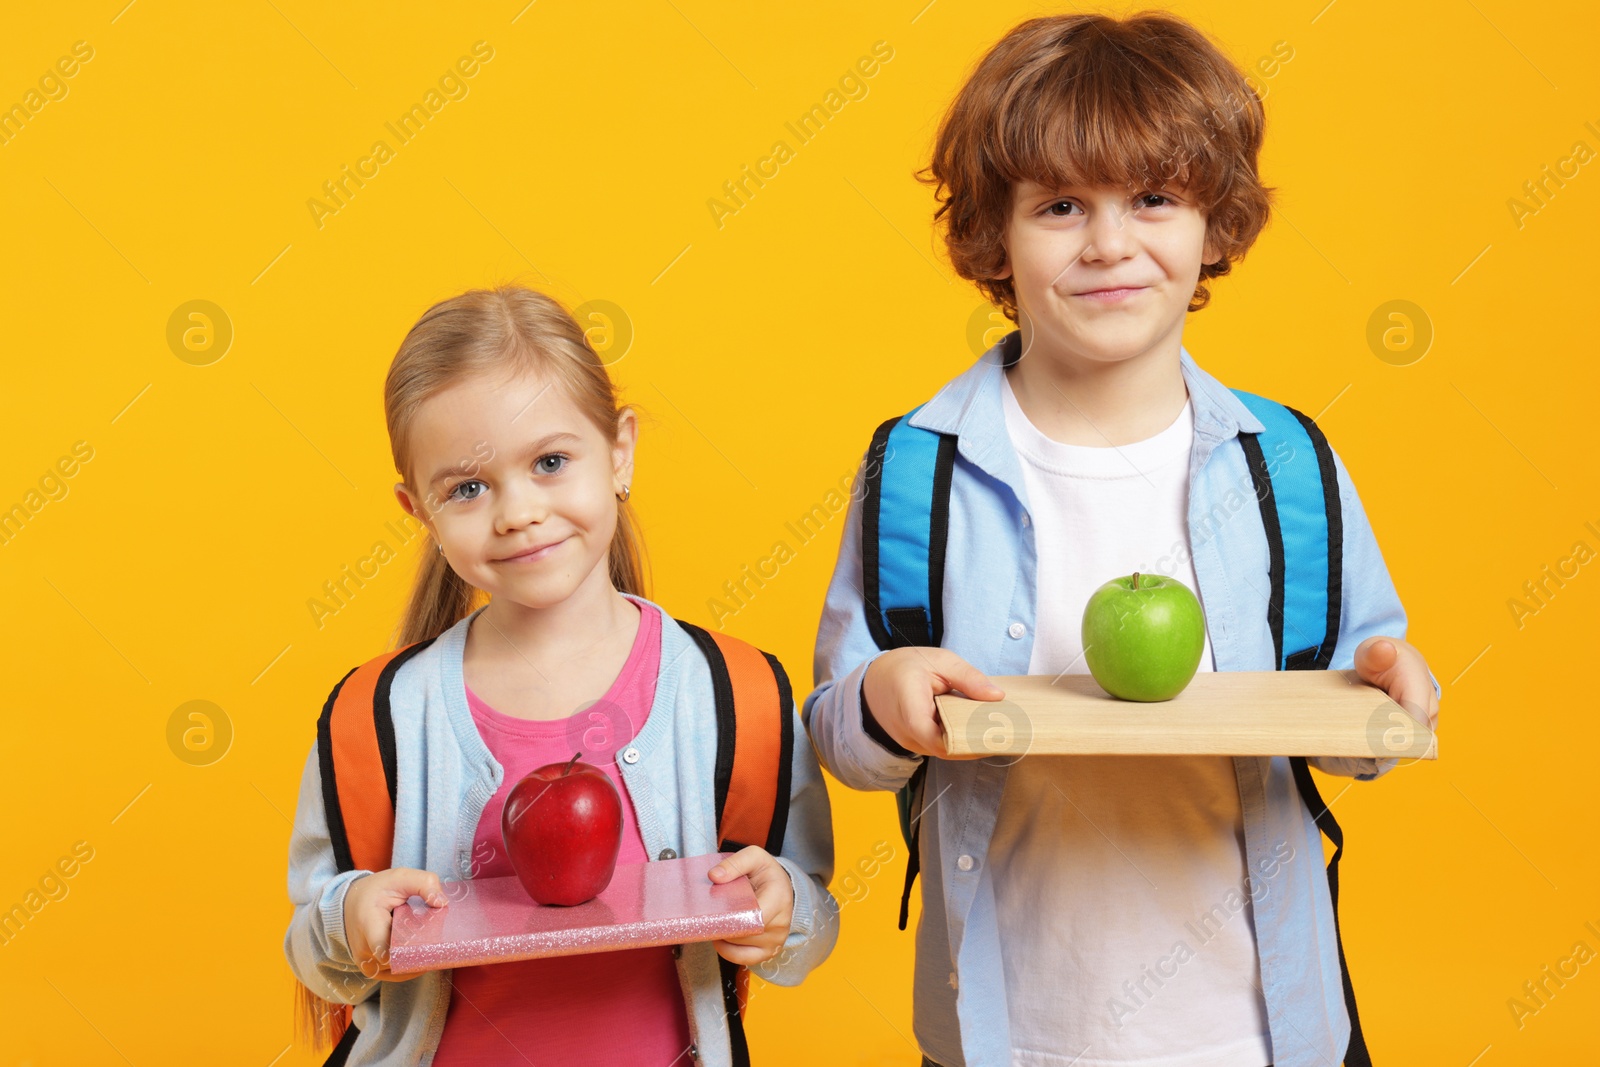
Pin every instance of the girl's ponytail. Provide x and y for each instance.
(627, 553)
(439, 598)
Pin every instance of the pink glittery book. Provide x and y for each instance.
(492, 920)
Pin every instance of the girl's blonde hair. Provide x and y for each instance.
(506, 332)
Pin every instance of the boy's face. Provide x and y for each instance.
(1067, 247)
(520, 468)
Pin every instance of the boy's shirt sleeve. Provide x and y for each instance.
(807, 857)
(850, 744)
(315, 944)
(1369, 607)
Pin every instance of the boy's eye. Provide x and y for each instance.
(1144, 201)
(1069, 205)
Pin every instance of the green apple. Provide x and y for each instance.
(1143, 636)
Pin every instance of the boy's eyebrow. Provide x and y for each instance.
(538, 446)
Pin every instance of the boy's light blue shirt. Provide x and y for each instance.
(990, 604)
(446, 777)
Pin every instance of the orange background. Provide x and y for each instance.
(176, 563)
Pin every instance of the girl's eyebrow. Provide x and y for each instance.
(538, 446)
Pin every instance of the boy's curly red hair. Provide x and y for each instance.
(1143, 102)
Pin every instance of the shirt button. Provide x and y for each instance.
(953, 984)
(1016, 629)
(694, 1052)
(964, 863)
(667, 854)
(1025, 519)
(631, 756)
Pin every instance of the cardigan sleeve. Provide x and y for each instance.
(315, 943)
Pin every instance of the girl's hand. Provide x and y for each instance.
(369, 906)
(1398, 669)
(900, 687)
(775, 894)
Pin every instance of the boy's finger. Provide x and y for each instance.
(931, 733)
(957, 673)
(1375, 657)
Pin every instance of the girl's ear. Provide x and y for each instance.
(622, 449)
(412, 507)
(402, 494)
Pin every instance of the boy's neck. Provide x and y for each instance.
(1077, 401)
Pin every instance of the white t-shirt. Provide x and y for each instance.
(1126, 930)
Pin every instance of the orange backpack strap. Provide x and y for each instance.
(355, 747)
(755, 747)
(356, 757)
(755, 741)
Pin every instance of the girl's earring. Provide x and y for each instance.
(440, 546)
(626, 492)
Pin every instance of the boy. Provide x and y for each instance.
(1093, 175)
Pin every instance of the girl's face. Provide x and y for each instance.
(519, 486)
(1062, 245)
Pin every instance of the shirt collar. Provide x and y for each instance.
(970, 406)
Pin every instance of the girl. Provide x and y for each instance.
(517, 458)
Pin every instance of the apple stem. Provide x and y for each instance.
(568, 768)
(1136, 581)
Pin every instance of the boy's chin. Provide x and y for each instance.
(1104, 344)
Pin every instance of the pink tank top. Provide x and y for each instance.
(603, 1008)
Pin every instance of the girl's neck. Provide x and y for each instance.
(558, 633)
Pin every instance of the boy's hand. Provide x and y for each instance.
(775, 894)
(1399, 670)
(369, 906)
(900, 687)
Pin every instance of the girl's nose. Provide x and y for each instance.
(521, 504)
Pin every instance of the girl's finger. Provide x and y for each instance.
(743, 955)
(403, 883)
(746, 861)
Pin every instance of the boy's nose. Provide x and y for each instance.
(1110, 237)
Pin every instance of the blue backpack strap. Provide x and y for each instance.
(1297, 488)
(905, 520)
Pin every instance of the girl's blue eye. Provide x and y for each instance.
(453, 494)
(544, 468)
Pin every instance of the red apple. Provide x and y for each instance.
(562, 828)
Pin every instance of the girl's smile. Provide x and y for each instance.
(534, 553)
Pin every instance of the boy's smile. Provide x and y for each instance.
(1103, 275)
